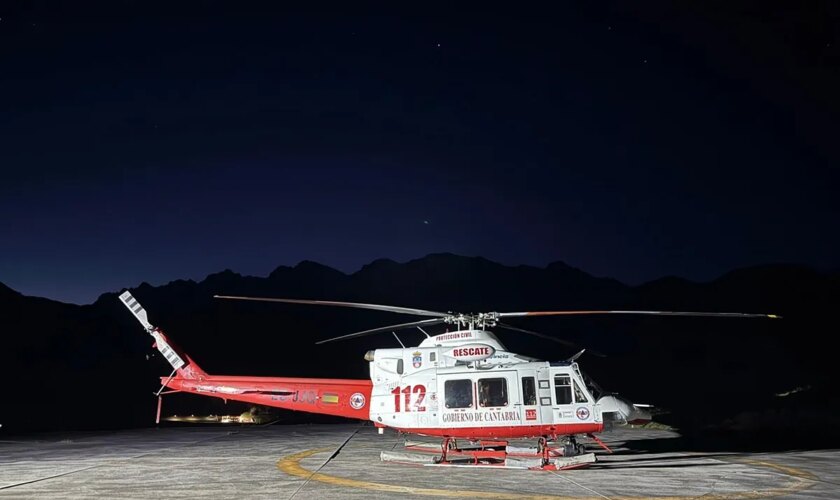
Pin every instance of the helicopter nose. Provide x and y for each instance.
(624, 410)
(638, 416)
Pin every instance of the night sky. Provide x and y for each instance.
(146, 141)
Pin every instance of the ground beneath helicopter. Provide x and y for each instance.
(292, 462)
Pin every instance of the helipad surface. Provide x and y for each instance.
(294, 462)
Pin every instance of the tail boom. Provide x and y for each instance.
(338, 397)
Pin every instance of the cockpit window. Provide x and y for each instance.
(580, 396)
(591, 386)
(563, 389)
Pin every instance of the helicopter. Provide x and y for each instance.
(459, 385)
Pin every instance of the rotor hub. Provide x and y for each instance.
(473, 320)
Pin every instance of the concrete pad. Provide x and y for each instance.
(294, 462)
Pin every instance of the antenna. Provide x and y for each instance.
(424, 332)
(398, 339)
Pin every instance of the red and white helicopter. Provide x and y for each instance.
(462, 384)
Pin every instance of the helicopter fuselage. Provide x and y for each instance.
(464, 384)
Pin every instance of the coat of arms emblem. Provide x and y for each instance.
(417, 359)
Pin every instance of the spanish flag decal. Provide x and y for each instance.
(329, 398)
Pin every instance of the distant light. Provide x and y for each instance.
(793, 391)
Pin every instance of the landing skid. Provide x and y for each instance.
(545, 456)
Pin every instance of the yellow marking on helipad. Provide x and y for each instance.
(291, 465)
(790, 471)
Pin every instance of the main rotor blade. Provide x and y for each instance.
(357, 305)
(650, 313)
(547, 337)
(537, 334)
(401, 326)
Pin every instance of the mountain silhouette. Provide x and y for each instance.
(91, 366)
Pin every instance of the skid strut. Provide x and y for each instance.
(444, 448)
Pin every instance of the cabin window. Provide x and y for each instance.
(529, 391)
(580, 396)
(459, 393)
(563, 389)
(400, 367)
(432, 357)
(492, 392)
